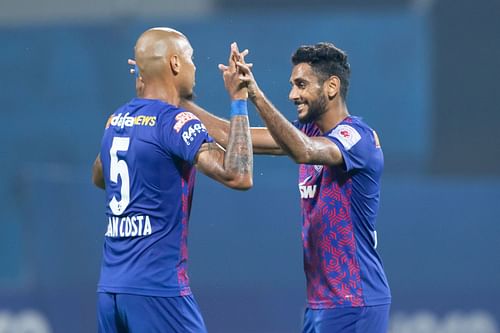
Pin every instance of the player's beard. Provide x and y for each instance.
(316, 109)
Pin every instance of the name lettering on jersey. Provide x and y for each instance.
(307, 191)
(183, 118)
(125, 120)
(129, 226)
(192, 131)
(347, 135)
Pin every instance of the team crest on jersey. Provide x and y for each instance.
(347, 135)
(183, 118)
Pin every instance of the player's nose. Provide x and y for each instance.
(293, 95)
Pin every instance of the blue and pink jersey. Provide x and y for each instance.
(147, 153)
(339, 208)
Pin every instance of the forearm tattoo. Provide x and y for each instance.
(239, 154)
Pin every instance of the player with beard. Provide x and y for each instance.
(341, 164)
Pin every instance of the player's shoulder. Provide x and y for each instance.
(353, 130)
(309, 128)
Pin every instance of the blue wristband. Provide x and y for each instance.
(239, 107)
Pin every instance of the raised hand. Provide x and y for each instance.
(235, 87)
(245, 70)
(246, 77)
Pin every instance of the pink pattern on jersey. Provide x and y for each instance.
(187, 184)
(330, 261)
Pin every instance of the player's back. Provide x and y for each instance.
(147, 152)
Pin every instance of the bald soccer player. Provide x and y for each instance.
(146, 165)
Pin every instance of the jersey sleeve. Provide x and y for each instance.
(183, 135)
(308, 129)
(355, 143)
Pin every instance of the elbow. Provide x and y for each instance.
(301, 157)
(97, 181)
(242, 183)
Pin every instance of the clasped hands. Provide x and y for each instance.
(237, 74)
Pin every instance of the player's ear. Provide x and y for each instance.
(175, 64)
(332, 86)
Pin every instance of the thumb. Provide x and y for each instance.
(223, 68)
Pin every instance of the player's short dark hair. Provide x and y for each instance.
(326, 60)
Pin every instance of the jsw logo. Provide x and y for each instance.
(307, 191)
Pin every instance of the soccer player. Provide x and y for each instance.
(341, 164)
(146, 165)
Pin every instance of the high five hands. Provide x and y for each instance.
(238, 77)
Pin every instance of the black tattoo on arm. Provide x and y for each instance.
(239, 155)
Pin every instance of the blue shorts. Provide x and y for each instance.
(125, 313)
(372, 319)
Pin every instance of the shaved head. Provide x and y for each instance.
(164, 57)
(154, 48)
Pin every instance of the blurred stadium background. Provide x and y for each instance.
(425, 75)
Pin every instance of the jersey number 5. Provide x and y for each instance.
(119, 168)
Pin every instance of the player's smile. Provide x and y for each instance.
(301, 106)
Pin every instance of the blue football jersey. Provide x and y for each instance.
(339, 208)
(147, 155)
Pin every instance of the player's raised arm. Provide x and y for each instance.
(300, 147)
(233, 167)
(218, 128)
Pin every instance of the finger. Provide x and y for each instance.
(131, 61)
(243, 55)
(232, 61)
(236, 47)
(244, 78)
(223, 68)
(243, 68)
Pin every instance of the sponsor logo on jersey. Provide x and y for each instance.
(124, 120)
(129, 226)
(347, 135)
(182, 118)
(192, 131)
(307, 191)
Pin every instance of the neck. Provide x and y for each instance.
(163, 92)
(332, 117)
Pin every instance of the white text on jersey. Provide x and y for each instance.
(129, 226)
(307, 191)
(190, 133)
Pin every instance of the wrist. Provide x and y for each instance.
(255, 94)
(241, 94)
(239, 107)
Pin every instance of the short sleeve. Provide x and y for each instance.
(309, 129)
(355, 144)
(183, 135)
